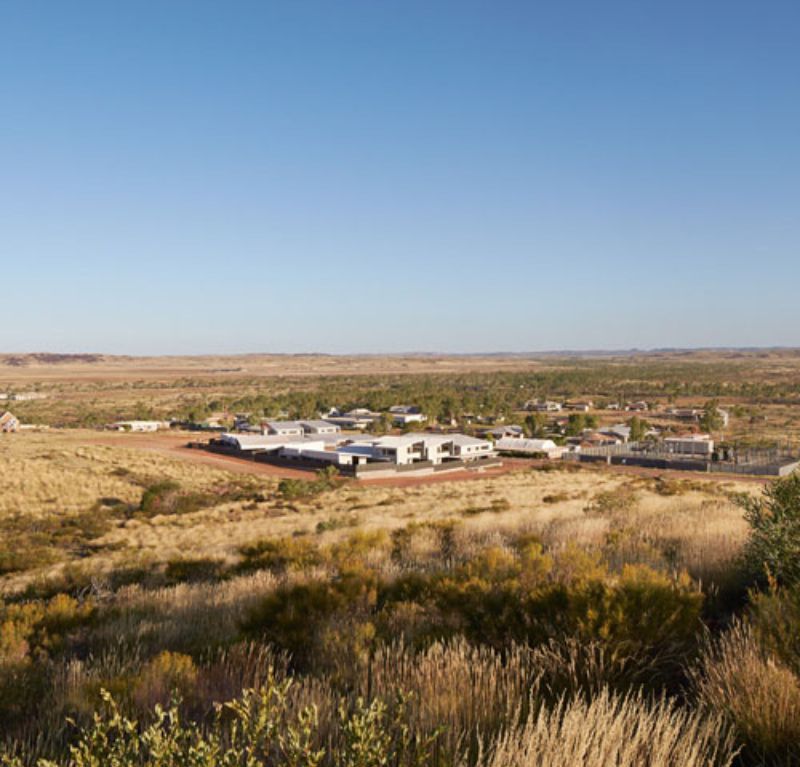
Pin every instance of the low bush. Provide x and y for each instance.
(773, 549)
(280, 555)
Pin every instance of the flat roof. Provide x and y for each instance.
(284, 424)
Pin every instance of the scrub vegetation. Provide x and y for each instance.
(161, 611)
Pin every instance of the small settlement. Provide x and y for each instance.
(317, 444)
(402, 438)
(554, 430)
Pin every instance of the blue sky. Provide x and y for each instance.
(192, 176)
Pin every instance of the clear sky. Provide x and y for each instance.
(186, 176)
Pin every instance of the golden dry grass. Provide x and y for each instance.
(63, 473)
(610, 730)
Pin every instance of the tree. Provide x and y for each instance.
(382, 424)
(712, 419)
(536, 425)
(773, 549)
(638, 429)
(576, 424)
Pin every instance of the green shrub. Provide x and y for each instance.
(194, 570)
(169, 498)
(280, 555)
(773, 549)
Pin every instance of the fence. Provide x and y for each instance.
(769, 462)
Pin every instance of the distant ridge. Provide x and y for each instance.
(52, 359)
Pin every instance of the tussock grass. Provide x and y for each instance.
(754, 690)
(625, 731)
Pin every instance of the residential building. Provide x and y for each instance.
(511, 431)
(579, 407)
(138, 426)
(618, 431)
(546, 406)
(404, 410)
(436, 448)
(352, 423)
(401, 450)
(598, 439)
(684, 413)
(529, 447)
(404, 419)
(283, 428)
(9, 422)
(320, 427)
(690, 444)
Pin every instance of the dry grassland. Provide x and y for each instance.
(62, 474)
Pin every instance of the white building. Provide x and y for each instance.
(503, 432)
(352, 423)
(436, 448)
(320, 427)
(690, 444)
(148, 426)
(620, 431)
(529, 447)
(404, 419)
(543, 407)
(401, 450)
(284, 428)
(579, 407)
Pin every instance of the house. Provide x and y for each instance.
(9, 422)
(579, 407)
(404, 410)
(138, 426)
(531, 447)
(363, 413)
(402, 415)
(637, 407)
(402, 450)
(690, 414)
(241, 422)
(283, 428)
(351, 423)
(690, 444)
(470, 448)
(512, 431)
(28, 396)
(253, 442)
(598, 439)
(546, 406)
(414, 448)
(320, 427)
(618, 431)
(404, 419)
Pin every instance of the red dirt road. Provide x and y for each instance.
(175, 446)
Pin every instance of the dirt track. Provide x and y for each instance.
(174, 446)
